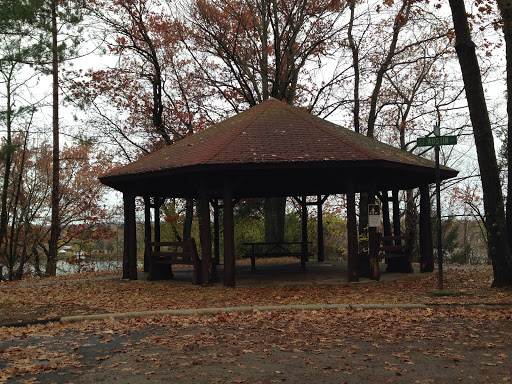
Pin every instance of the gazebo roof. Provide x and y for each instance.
(277, 141)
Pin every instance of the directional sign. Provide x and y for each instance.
(436, 141)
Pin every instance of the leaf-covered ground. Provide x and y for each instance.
(328, 346)
(443, 344)
(25, 301)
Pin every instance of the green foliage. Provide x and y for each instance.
(363, 238)
(450, 234)
(249, 208)
(17, 44)
(463, 254)
(247, 230)
(16, 14)
(250, 227)
(30, 21)
(335, 243)
(7, 149)
(335, 237)
(460, 246)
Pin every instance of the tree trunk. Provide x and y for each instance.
(7, 170)
(37, 262)
(189, 218)
(506, 13)
(386, 221)
(51, 262)
(497, 245)
(411, 221)
(372, 115)
(352, 241)
(274, 218)
(404, 13)
(355, 63)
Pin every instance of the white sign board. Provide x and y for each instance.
(374, 219)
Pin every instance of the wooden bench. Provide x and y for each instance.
(393, 246)
(274, 249)
(161, 262)
(396, 250)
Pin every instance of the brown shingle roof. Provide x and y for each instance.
(270, 133)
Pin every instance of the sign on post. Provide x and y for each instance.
(374, 215)
(436, 141)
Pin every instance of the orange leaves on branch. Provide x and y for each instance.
(401, 19)
(172, 218)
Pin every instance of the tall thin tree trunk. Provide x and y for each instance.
(51, 263)
(506, 14)
(355, 63)
(37, 262)
(497, 241)
(14, 241)
(7, 170)
(405, 11)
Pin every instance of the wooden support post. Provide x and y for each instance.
(352, 241)
(147, 228)
(426, 239)
(395, 264)
(157, 205)
(396, 216)
(398, 264)
(229, 241)
(304, 248)
(126, 236)
(373, 244)
(386, 222)
(206, 240)
(216, 233)
(411, 221)
(130, 239)
(320, 229)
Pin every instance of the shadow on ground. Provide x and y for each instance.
(275, 273)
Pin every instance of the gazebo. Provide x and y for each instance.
(273, 150)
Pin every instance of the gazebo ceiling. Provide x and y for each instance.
(273, 149)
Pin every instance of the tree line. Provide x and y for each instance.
(386, 69)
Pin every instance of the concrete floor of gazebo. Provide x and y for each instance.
(278, 273)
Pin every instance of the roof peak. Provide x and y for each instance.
(271, 132)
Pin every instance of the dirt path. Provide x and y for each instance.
(329, 346)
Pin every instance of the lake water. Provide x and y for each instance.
(65, 268)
